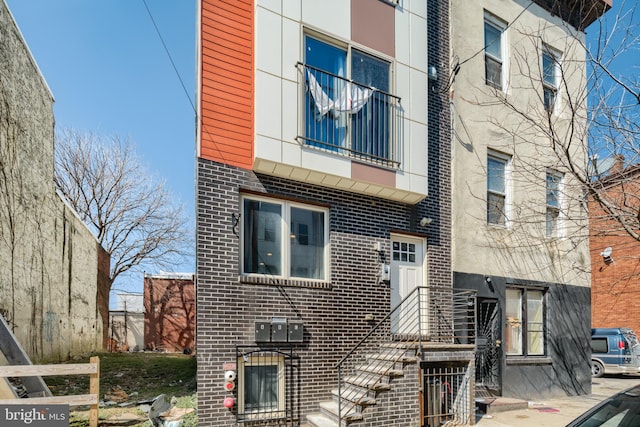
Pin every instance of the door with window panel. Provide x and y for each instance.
(406, 276)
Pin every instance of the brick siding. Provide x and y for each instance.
(333, 317)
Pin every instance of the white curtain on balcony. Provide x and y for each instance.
(350, 100)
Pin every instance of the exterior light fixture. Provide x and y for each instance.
(425, 221)
(606, 255)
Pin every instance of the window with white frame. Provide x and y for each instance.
(284, 239)
(348, 107)
(261, 386)
(525, 320)
(550, 77)
(497, 188)
(554, 191)
(494, 44)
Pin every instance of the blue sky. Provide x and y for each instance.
(110, 74)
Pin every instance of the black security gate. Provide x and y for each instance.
(488, 342)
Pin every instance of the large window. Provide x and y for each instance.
(554, 186)
(348, 108)
(550, 78)
(497, 189)
(261, 386)
(525, 318)
(494, 42)
(284, 239)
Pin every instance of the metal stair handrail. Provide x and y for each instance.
(428, 314)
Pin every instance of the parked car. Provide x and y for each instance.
(620, 410)
(614, 351)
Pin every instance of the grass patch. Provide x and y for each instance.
(142, 376)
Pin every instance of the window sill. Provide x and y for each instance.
(528, 360)
(280, 281)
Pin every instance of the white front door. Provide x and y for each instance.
(407, 274)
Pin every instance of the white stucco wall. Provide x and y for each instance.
(481, 122)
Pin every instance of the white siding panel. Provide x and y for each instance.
(290, 110)
(268, 148)
(418, 149)
(418, 110)
(418, 42)
(272, 5)
(291, 50)
(326, 162)
(403, 37)
(331, 16)
(268, 42)
(268, 105)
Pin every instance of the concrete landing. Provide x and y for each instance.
(492, 405)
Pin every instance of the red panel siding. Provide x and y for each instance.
(226, 85)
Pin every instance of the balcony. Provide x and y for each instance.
(348, 119)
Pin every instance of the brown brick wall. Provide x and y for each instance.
(615, 294)
(169, 321)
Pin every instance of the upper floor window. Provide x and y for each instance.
(550, 78)
(497, 189)
(348, 107)
(284, 239)
(494, 43)
(554, 184)
(525, 320)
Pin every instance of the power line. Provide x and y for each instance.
(169, 55)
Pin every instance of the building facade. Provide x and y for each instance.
(519, 219)
(324, 216)
(614, 252)
(169, 312)
(51, 262)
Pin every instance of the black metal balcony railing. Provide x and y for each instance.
(350, 119)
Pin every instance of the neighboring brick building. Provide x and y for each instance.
(169, 312)
(615, 255)
(51, 265)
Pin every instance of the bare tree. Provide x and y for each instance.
(132, 214)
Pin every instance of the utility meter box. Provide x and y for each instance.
(279, 330)
(263, 331)
(296, 331)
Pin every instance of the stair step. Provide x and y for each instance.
(330, 408)
(372, 382)
(359, 396)
(319, 420)
(381, 369)
(400, 357)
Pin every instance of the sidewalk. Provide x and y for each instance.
(557, 412)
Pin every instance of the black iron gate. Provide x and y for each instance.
(488, 342)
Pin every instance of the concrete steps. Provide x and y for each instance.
(359, 390)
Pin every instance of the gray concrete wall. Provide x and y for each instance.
(48, 268)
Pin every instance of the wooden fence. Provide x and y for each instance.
(92, 398)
